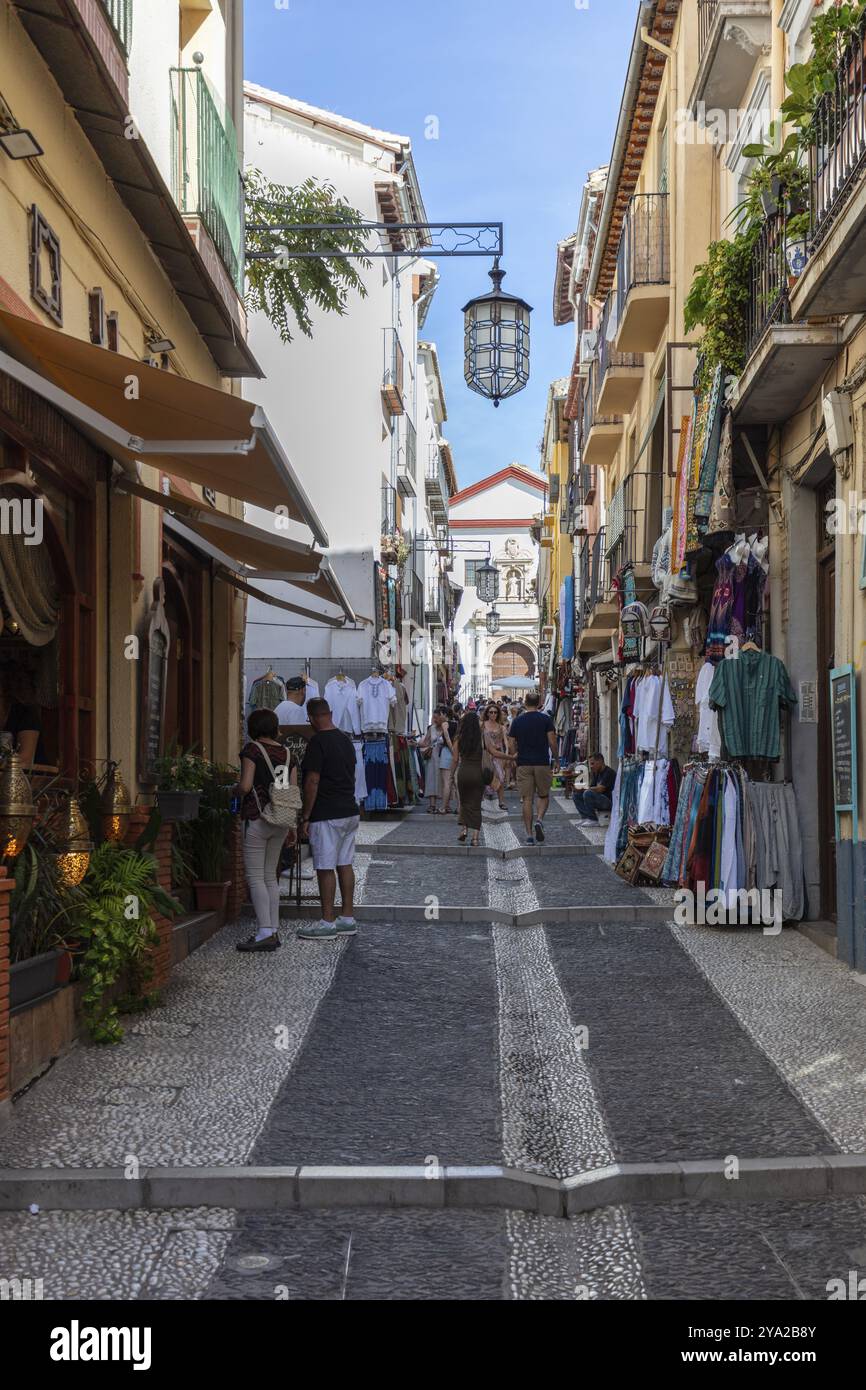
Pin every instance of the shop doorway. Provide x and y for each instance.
(826, 593)
(184, 714)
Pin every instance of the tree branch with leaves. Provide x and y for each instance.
(286, 289)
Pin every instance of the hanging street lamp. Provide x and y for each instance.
(496, 342)
(487, 582)
(494, 622)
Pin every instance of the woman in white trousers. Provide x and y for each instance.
(263, 842)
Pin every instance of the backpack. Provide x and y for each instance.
(284, 802)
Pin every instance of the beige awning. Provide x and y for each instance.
(196, 432)
(251, 552)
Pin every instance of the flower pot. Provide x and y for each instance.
(65, 962)
(178, 806)
(31, 979)
(795, 252)
(211, 897)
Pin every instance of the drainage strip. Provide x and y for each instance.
(649, 914)
(304, 1188)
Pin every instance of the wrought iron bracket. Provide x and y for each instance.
(446, 239)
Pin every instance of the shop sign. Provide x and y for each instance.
(153, 674)
(843, 723)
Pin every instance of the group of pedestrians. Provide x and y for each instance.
(284, 801)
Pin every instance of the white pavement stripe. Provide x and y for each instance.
(549, 1103)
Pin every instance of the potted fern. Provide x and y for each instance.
(204, 840)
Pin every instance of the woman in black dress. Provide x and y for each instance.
(468, 751)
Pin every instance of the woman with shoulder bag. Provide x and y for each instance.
(271, 802)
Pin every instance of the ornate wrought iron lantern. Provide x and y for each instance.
(496, 342)
(74, 846)
(16, 808)
(487, 582)
(494, 622)
(116, 806)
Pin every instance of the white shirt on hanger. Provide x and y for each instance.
(646, 715)
(342, 696)
(376, 696)
(709, 739)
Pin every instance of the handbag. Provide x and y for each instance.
(284, 802)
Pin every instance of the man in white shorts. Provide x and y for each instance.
(330, 819)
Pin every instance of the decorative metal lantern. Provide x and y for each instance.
(73, 837)
(487, 582)
(496, 342)
(116, 806)
(16, 808)
(494, 622)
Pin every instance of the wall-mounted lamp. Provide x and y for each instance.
(20, 144)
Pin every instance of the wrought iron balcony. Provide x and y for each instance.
(120, 14)
(393, 373)
(620, 374)
(643, 273)
(207, 181)
(768, 282)
(389, 510)
(707, 14)
(838, 144)
(601, 434)
(436, 484)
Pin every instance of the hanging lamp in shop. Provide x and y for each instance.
(115, 806)
(16, 808)
(73, 843)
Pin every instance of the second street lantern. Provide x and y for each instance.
(487, 582)
(494, 622)
(496, 340)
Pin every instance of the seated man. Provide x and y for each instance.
(599, 795)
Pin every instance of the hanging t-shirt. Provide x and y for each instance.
(748, 690)
(342, 696)
(709, 738)
(646, 715)
(376, 696)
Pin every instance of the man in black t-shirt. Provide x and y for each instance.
(599, 795)
(532, 741)
(330, 819)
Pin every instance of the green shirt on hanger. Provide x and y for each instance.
(747, 690)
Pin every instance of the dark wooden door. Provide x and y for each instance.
(826, 662)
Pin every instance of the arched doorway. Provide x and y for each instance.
(184, 715)
(512, 659)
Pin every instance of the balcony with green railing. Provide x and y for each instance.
(120, 14)
(206, 174)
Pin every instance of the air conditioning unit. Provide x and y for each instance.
(839, 421)
(581, 522)
(588, 346)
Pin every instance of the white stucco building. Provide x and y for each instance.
(494, 517)
(359, 406)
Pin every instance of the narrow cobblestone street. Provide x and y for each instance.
(553, 1048)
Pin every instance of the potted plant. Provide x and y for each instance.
(796, 231)
(40, 907)
(389, 549)
(179, 780)
(204, 840)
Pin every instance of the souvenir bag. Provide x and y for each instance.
(284, 803)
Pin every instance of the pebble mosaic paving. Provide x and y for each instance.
(552, 1048)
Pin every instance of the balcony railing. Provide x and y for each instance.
(393, 373)
(837, 154)
(389, 510)
(120, 14)
(436, 483)
(607, 358)
(207, 180)
(592, 386)
(644, 248)
(707, 11)
(768, 283)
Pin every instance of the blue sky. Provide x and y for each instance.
(527, 94)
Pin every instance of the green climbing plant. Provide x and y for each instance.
(718, 302)
(285, 289)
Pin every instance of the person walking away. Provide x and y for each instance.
(532, 740)
(599, 796)
(446, 760)
(469, 749)
(495, 752)
(330, 819)
(264, 758)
